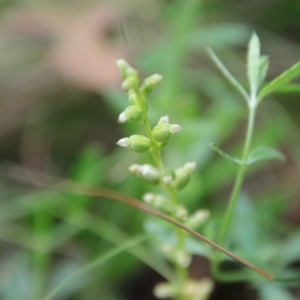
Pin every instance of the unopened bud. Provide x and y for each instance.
(182, 258)
(189, 167)
(197, 290)
(181, 213)
(132, 98)
(131, 113)
(150, 82)
(164, 290)
(139, 143)
(136, 169)
(130, 83)
(122, 64)
(198, 218)
(150, 173)
(161, 132)
(181, 179)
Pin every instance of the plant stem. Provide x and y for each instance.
(156, 156)
(238, 181)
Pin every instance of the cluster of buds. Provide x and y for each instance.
(178, 179)
(160, 133)
(137, 109)
(178, 211)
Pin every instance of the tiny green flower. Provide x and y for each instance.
(136, 169)
(139, 143)
(181, 213)
(181, 179)
(132, 98)
(150, 174)
(161, 132)
(198, 218)
(130, 83)
(150, 82)
(164, 290)
(123, 65)
(189, 167)
(131, 113)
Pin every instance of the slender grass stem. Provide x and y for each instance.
(238, 183)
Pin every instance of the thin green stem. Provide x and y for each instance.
(238, 182)
(156, 156)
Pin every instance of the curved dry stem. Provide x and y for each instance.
(68, 186)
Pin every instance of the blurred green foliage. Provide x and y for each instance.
(60, 128)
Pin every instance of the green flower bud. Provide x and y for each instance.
(181, 179)
(132, 113)
(123, 65)
(130, 83)
(182, 258)
(158, 201)
(189, 167)
(168, 176)
(136, 169)
(161, 132)
(197, 290)
(132, 98)
(181, 213)
(164, 290)
(150, 82)
(139, 143)
(150, 174)
(198, 218)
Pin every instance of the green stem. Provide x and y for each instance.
(156, 155)
(238, 182)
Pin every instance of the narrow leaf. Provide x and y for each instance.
(264, 153)
(231, 159)
(227, 74)
(263, 69)
(253, 63)
(280, 81)
(98, 261)
(291, 88)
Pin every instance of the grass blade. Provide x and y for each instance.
(98, 261)
(280, 81)
(227, 74)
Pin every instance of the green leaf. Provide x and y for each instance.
(288, 89)
(280, 81)
(264, 153)
(253, 63)
(263, 69)
(227, 74)
(231, 159)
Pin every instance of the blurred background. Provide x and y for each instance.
(59, 105)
